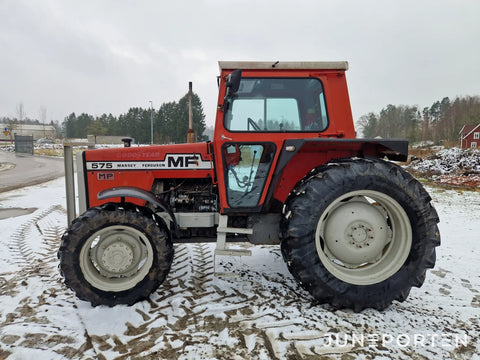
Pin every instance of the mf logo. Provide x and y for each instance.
(181, 161)
(105, 176)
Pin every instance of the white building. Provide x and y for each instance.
(37, 131)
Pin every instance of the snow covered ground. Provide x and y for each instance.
(454, 167)
(259, 314)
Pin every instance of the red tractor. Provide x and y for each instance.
(284, 167)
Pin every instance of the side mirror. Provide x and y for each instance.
(233, 81)
(232, 85)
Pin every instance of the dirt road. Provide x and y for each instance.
(17, 171)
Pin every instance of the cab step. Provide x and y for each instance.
(222, 249)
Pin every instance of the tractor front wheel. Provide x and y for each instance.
(359, 233)
(115, 254)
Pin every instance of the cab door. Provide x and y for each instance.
(246, 168)
(253, 121)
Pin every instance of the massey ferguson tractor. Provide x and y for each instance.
(284, 167)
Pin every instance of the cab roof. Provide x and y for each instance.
(292, 65)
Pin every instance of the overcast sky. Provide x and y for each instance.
(107, 56)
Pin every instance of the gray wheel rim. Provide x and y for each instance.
(116, 258)
(363, 237)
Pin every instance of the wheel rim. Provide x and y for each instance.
(363, 237)
(116, 258)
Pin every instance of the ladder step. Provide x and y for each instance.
(233, 252)
(222, 247)
(232, 230)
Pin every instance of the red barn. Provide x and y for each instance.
(470, 136)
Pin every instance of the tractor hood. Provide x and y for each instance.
(153, 157)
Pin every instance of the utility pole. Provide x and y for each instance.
(151, 122)
(190, 132)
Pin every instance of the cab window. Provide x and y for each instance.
(277, 105)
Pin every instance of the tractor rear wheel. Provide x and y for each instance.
(359, 233)
(115, 254)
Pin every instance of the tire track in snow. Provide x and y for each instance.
(32, 323)
(255, 315)
(38, 238)
(197, 315)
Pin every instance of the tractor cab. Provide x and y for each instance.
(260, 107)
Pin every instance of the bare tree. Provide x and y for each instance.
(43, 118)
(11, 127)
(20, 112)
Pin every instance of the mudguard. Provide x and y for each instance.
(299, 156)
(134, 192)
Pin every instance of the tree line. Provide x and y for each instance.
(170, 123)
(438, 123)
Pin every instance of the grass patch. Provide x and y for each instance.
(49, 152)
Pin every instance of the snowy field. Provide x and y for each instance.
(259, 314)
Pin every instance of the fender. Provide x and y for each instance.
(299, 156)
(134, 192)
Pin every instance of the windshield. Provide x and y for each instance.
(277, 105)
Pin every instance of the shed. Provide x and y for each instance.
(470, 136)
